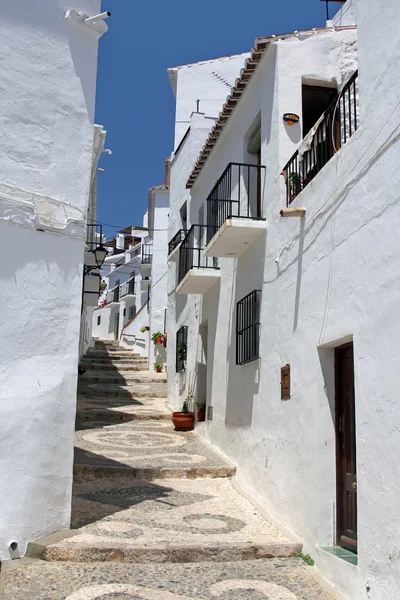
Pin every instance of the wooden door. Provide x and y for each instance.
(346, 448)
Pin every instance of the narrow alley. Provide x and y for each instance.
(155, 514)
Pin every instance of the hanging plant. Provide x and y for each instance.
(159, 338)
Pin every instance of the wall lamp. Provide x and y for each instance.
(100, 254)
(291, 118)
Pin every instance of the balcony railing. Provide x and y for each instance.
(192, 251)
(94, 236)
(147, 254)
(128, 288)
(136, 251)
(237, 193)
(113, 295)
(176, 240)
(329, 134)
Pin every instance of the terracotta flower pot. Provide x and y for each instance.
(201, 415)
(183, 421)
(159, 370)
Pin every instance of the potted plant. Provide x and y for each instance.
(159, 338)
(201, 411)
(145, 328)
(184, 419)
(158, 367)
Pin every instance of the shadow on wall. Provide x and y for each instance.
(244, 380)
(180, 304)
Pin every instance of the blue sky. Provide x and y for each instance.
(135, 102)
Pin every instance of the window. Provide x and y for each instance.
(132, 312)
(248, 328)
(181, 348)
(124, 312)
(316, 100)
(98, 320)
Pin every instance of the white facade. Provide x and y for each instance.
(145, 263)
(325, 279)
(49, 69)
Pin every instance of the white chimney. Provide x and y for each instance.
(120, 243)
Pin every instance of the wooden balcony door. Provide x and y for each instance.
(346, 475)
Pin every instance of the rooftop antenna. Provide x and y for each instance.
(198, 105)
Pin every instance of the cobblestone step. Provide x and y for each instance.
(165, 521)
(122, 379)
(115, 367)
(273, 579)
(138, 390)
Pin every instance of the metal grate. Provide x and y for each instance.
(94, 236)
(338, 124)
(248, 328)
(192, 251)
(237, 193)
(181, 348)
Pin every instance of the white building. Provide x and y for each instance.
(289, 321)
(49, 66)
(136, 275)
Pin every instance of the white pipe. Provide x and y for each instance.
(100, 17)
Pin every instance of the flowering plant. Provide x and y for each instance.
(103, 303)
(159, 338)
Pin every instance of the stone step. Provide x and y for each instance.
(111, 357)
(165, 521)
(274, 578)
(87, 416)
(112, 472)
(107, 366)
(138, 390)
(124, 379)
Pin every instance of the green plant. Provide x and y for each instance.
(306, 557)
(295, 182)
(159, 338)
(157, 365)
(185, 408)
(201, 405)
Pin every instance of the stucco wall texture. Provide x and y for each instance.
(46, 106)
(326, 279)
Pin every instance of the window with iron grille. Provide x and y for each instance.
(248, 328)
(181, 348)
(132, 311)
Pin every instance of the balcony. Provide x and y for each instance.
(174, 244)
(147, 259)
(197, 273)
(127, 288)
(94, 238)
(113, 295)
(234, 210)
(329, 134)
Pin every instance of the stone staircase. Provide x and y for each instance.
(154, 510)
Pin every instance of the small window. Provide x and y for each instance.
(124, 312)
(181, 348)
(248, 328)
(98, 320)
(132, 311)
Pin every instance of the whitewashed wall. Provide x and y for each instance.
(209, 82)
(159, 273)
(46, 107)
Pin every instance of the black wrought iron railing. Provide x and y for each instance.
(237, 193)
(113, 295)
(147, 254)
(128, 288)
(94, 236)
(120, 262)
(192, 255)
(336, 126)
(176, 240)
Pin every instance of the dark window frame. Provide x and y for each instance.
(181, 348)
(248, 328)
(99, 320)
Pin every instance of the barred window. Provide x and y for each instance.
(181, 348)
(132, 311)
(248, 328)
